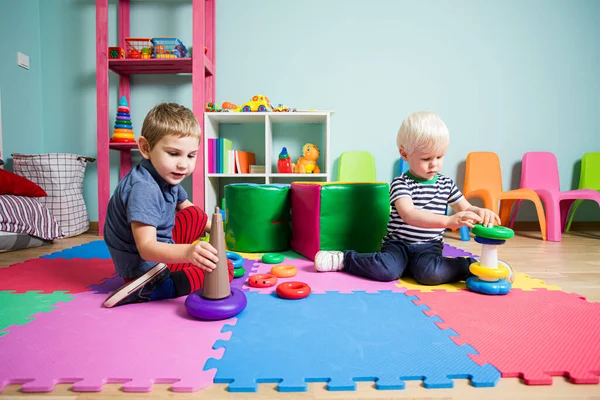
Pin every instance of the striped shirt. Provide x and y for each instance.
(432, 196)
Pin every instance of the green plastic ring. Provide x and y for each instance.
(496, 232)
(272, 258)
(239, 272)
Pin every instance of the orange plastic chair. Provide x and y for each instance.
(483, 179)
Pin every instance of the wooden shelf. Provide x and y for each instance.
(129, 66)
(123, 146)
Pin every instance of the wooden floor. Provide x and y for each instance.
(573, 264)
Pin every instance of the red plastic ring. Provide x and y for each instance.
(293, 290)
(262, 280)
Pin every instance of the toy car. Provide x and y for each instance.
(258, 103)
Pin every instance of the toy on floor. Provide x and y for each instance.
(284, 271)
(284, 163)
(262, 280)
(123, 129)
(293, 290)
(238, 264)
(272, 258)
(490, 275)
(217, 299)
(307, 163)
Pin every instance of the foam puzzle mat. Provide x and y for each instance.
(53, 329)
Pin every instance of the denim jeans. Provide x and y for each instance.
(423, 261)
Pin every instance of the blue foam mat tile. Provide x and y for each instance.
(341, 339)
(95, 249)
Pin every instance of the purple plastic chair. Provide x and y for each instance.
(540, 173)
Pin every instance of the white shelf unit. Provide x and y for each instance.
(257, 132)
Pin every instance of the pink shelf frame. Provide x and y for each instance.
(201, 66)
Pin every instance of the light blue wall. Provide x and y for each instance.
(21, 89)
(507, 76)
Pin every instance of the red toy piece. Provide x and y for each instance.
(262, 280)
(293, 290)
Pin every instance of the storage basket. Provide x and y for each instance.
(61, 176)
(168, 47)
(139, 47)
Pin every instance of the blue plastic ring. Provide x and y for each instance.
(500, 287)
(483, 240)
(236, 259)
(122, 126)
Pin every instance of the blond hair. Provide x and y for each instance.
(423, 130)
(169, 119)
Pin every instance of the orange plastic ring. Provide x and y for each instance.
(262, 280)
(284, 271)
(293, 290)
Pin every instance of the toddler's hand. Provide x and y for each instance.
(488, 217)
(463, 218)
(203, 255)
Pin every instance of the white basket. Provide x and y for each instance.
(61, 176)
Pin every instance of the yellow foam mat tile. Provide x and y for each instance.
(523, 282)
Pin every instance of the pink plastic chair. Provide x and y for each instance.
(540, 173)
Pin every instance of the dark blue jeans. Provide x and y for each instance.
(424, 262)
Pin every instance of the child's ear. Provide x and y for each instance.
(402, 153)
(144, 147)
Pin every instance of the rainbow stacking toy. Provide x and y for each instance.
(490, 274)
(123, 132)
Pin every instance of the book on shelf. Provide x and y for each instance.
(257, 169)
(223, 159)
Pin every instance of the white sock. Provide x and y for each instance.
(327, 261)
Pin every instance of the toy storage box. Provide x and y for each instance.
(338, 216)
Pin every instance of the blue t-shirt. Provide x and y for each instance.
(141, 196)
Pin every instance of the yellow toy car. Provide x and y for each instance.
(258, 103)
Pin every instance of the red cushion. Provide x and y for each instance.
(17, 185)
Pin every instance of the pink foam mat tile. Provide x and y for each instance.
(534, 335)
(85, 344)
(322, 282)
(51, 275)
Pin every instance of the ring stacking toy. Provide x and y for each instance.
(293, 290)
(490, 274)
(284, 271)
(217, 299)
(236, 259)
(239, 272)
(272, 258)
(262, 280)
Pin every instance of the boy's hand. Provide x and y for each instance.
(203, 255)
(463, 218)
(488, 217)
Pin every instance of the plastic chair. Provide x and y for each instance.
(483, 179)
(588, 179)
(464, 231)
(357, 166)
(540, 173)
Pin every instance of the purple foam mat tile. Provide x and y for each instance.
(322, 282)
(83, 343)
(239, 283)
(451, 251)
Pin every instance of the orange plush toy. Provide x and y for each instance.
(307, 162)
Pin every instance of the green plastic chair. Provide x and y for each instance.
(357, 166)
(589, 179)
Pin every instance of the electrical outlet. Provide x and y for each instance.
(22, 60)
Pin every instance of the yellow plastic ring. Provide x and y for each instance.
(123, 136)
(489, 273)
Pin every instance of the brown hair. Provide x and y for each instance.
(169, 119)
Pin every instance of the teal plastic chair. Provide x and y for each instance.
(357, 166)
(588, 179)
(464, 231)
